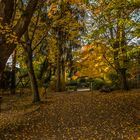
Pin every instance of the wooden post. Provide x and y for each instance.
(91, 87)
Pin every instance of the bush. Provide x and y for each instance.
(71, 85)
(52, 85)
(98, 84)
(84, 81)
(113, 77)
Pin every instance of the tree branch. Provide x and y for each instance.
(25, 18)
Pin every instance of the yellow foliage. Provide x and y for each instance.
(74, 77)
(6, 31)
(91, 61)
(75, 1)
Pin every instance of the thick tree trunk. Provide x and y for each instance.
(6, 12)
(123, 78)
(34, 85)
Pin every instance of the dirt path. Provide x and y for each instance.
(78, 116)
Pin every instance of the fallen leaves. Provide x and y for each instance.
(78, 116)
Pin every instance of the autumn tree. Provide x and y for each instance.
(112, 24)
(7, 13)
(65, 18)
(32, 42)
(91, 61)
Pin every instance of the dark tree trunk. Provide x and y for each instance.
(59, 64)
(13, 76)
(58, 72)
(123, 78)
(34, 85)
(6, 12)
(63, 85)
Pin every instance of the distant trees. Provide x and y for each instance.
(66, 24)
(114, 23)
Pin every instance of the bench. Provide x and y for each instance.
(74, 88)
(71, 86)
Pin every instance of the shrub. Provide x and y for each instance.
(52, 85)
(71, 85)
(114, 79)
(84, 81)
(98, 84)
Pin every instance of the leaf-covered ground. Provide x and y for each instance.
(72, 116)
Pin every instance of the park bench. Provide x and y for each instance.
(71, 86)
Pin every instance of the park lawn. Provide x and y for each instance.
(72, 116)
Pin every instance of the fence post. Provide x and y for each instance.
(91, 87)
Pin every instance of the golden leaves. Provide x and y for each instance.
(74, 1)
(53, 9)
(7, 32)
(63, 19)
(92, 61)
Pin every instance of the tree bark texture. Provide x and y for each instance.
(34, 85)
(58, 72)
(31, 73)
(123, 77)
(120, 44)
(6, 10)
(63, 85)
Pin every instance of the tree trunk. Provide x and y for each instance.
(63, 86)
(25, 19)
(34, 85)
(7, 49)
(13, 77)
(123, 78)
(120, 44)
(59, 60)
(6, 10)
(58, 72)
